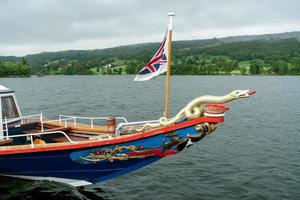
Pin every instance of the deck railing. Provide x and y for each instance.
(132, 125)
(25, 119)
(5, 129)
(64, 118)
(30, 135)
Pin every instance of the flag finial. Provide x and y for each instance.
(170, 14)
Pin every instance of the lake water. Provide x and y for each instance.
(255, 154)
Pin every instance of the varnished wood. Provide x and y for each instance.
(166, 113)
(79, 126)
(56, 129)
(90, 133)
(73, 138)
(5, 141)
(28, 146)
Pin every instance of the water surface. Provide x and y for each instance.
(253, 155)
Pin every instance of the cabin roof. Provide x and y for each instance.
(4, 90)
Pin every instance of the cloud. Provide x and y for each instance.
(32, 26)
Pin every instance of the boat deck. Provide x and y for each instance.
(48, 134)
(80, 127)
(41, 136)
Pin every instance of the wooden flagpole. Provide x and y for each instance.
(166, 113)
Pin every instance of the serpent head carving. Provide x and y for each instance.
(195, 108)
(236, 94)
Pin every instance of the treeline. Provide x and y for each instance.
(277, 67)
(13, 69)
(265, 56)
(193, 66)
(200, 57)
(63, 67)
(274, 57)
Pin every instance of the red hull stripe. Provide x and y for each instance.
(121, 139)
(152, 152)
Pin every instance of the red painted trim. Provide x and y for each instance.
(121, 139)
(151, 152)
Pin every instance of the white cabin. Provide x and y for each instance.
(10, 110)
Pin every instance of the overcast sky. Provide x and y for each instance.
(33, 26)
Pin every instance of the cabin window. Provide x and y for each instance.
(9, 108)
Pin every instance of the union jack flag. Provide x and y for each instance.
(157, 65)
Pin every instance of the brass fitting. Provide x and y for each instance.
(206, 127)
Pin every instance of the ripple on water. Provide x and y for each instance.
(253, 155)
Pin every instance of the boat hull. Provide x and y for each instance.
(96, 163)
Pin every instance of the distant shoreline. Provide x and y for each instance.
(62, 75)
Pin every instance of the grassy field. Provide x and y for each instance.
(244, 65)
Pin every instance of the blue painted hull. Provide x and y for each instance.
(59, 164)
(96, 164)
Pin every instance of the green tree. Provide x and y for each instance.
(280, 67)
(67, 70)
(109, 71)
(243, 70)
(24, 61)
(256, 66)
(8, 68)
(295, 66)
(120, 70)
(131, 68)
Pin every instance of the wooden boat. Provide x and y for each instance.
(86, 150)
